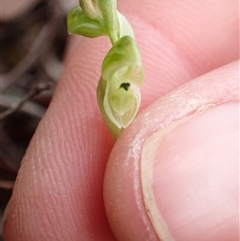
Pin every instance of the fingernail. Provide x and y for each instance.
(190, 176)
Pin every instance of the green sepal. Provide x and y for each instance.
(105, 12)
(79, 23)
(101, 90)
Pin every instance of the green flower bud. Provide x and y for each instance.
(105, 12)
(79, 23)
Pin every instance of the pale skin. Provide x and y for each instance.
(59, 190)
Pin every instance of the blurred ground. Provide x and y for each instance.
(32, 43)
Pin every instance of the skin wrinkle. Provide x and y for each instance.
(210, 9)
(50, 176)
(169, 30)
(169, 46)
(81, 150)
(51, 172)
(85, 89)
(56, 167)
(83, 128)
(82, 88)
(93, 57)
(66, 182)
(168, 56)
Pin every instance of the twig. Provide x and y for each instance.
(16, 106)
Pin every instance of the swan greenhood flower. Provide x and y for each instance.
(123, 75)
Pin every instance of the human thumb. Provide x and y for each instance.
(173, 175)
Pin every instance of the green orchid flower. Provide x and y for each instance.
(119, 97)
(118, 91)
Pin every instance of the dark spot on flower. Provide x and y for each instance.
(125, 86)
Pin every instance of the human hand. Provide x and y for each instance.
(59, 191)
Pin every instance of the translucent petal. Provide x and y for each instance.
(120, 105)
(121, 100)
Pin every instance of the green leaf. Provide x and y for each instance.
(79, 23)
